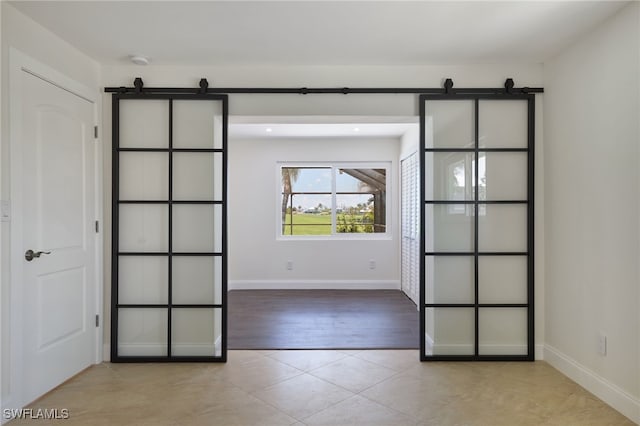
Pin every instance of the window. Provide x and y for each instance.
(333, 200)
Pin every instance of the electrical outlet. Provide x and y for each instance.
(602, 344)
(372, 264)
(289, 265)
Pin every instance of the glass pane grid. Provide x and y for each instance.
(144, 300)
(492, 301)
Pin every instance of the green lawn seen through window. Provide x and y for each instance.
(312, 224)
(320, 223)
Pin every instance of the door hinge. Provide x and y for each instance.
(97, 226)
(95, 132)
(97, 320)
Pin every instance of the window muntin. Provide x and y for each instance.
(333, 200)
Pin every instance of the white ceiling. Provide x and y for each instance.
(319, 32)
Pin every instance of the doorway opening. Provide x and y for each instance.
(315, 233)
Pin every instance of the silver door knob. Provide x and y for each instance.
(30, 254)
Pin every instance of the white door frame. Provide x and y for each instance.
(19, 63)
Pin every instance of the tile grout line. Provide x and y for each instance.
(386, 366)
(344, 355)
(411, 416)
(352, 394)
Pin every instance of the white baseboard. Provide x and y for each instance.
(467, 349)
(7, 404)
(428, 343)
(142, 349)
(217, 345)
(431, 346)
(451, 349)
(617, 398)
(196, 349)
(539, 352)
(153, 349)
(106, 352)
(314, 285)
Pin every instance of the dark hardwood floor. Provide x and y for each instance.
(321, 319)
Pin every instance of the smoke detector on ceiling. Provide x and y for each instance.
(139, 59)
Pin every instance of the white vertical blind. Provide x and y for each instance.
(410, 212)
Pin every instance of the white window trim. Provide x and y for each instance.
(333, 165)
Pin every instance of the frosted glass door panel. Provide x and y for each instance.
(196, 332)
(142, 280)
(197, 176)
(503, 124)
(502, 331)
(142, 332)
(144, 176)
(451, 175)
(503, 176)
(449, 279)
(197, 280)
(169, 158)
(502, 279)
(450, 124)
(449, 227)
(144, 124)
(450, 331)
(143, 228)
(503, 228)
(475, 275)
(197, 124)
(197, 228)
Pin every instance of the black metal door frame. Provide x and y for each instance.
(116, 203)
(475, 203)
(221, 94)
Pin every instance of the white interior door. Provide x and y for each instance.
(58, 213)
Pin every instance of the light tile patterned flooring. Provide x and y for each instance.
(325, 387)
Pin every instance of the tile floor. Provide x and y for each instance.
(325, 387)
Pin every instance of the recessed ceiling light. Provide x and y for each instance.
(356, 129)
(139, 60)
(269, 130)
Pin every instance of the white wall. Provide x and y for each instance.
(257, 258)
(3, 387)
(410, 142)
(591, 160)
(30, 38)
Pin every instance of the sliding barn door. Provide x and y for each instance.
(169, 228)
(477, 228)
